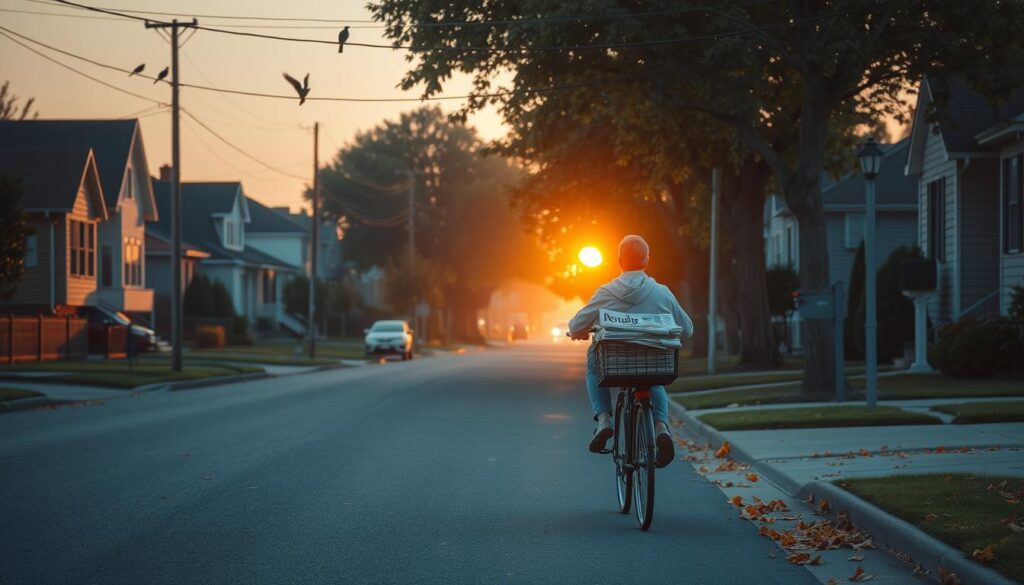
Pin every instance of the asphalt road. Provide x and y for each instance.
(463, 469)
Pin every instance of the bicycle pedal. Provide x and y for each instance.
(605, 451)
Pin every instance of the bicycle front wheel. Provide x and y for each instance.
(620, 450)
(644, 465)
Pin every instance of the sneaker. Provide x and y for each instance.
(602, 433)
(666, 448)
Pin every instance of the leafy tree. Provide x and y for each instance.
(9, 107)
(296, 296)
(779, 75)
(14, 230)
(223, 306)
(198, 301)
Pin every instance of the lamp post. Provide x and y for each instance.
(870, 156)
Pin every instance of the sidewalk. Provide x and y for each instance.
(803, 463)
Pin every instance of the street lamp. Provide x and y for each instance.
(870, 156)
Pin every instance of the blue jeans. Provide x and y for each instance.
(601, 398)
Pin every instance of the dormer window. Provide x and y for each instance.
(232, 234)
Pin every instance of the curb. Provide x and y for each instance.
(202, 383)
(26, 403)
(887, 530)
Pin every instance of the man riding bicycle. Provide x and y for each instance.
(632, 292)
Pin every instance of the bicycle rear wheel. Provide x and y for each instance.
(643, 465)
(620, 450)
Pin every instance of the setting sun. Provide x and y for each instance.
(591, 257)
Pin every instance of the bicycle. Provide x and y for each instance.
(634, 368)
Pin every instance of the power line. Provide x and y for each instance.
(475, 49)
(534, 91)
(239, 149)
(221, 25)
(443, 23)
(83, 74)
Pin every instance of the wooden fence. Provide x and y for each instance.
(26, 339)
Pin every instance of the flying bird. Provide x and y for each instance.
(163, 74)
(342, 37)
(137, 70)
(301, 88)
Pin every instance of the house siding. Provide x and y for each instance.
(1011, 265)
(978, 254)
(34, 288)
(78, 290)
(893, 229)
(944, 305)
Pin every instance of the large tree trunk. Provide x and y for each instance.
(803, 195)
(727, 302)
(744, 213)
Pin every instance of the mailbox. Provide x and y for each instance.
(829, 305)
(919, 275)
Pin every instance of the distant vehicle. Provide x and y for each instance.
(518, 331)
(144, 338)
(558, 331)
(389, 338)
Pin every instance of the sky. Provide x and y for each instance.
(276, 132)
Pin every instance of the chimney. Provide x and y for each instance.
(165, 173)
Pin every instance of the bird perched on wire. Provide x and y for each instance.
(342, 37)
(137, 70)
(300, 88)
(162, 75)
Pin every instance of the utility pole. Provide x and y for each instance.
(176, 289)
(314, 241)
(410, 176)
(713, 272)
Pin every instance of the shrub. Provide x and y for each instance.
(239, 325)
(894, 311)
(245, 340)
(977, 349)
(198, 301)
(210, 336)
(1016, 309)
(221, 299)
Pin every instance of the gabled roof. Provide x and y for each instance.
(110, 140)
(52, 178)
(964, 114)
(200, 204)
(892, 187)
(267, 220)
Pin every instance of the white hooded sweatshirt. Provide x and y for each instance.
(632, 292)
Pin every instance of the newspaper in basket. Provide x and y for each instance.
(636, 349)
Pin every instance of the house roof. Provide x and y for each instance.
(200, 203)
(267, 220)
(110, 140)
(892, 187)
(159, 244)
(52, 177)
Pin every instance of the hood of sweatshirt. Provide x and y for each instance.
(631, 287)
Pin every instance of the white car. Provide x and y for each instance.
(389, 338)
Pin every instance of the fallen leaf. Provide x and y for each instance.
(948, 578)
(856, 558)
(984, 555)
(724, 450)
(857, 573)
(736, 501)
(771, 554)
(1015, 527)
(752, 477)
(823, 507)
(833, 581)
(864, 452)
(815, 561)
(798, 558)
(859, 576)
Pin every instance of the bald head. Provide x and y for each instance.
(634, 253)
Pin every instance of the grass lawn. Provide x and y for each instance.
(227, 354)
(120, 374)
(897, 387)
(984, 412)
(818, 417)
(16, 393)
(958, 509)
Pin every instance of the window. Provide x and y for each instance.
(937, 220)
(269, 284)
(232, 234)
(853, 230)
(106, 266)
(777, 243)
(82, 249)
(31, 251)
(129, 188)
(1013, 202)
(132, 262)
(790, 252)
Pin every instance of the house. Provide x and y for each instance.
(216, 216)
(160, 277)
(959, 146)
(843, 206)
(120, 159)
(63, 198)
(329, 264)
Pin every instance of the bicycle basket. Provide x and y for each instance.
(620, 364)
